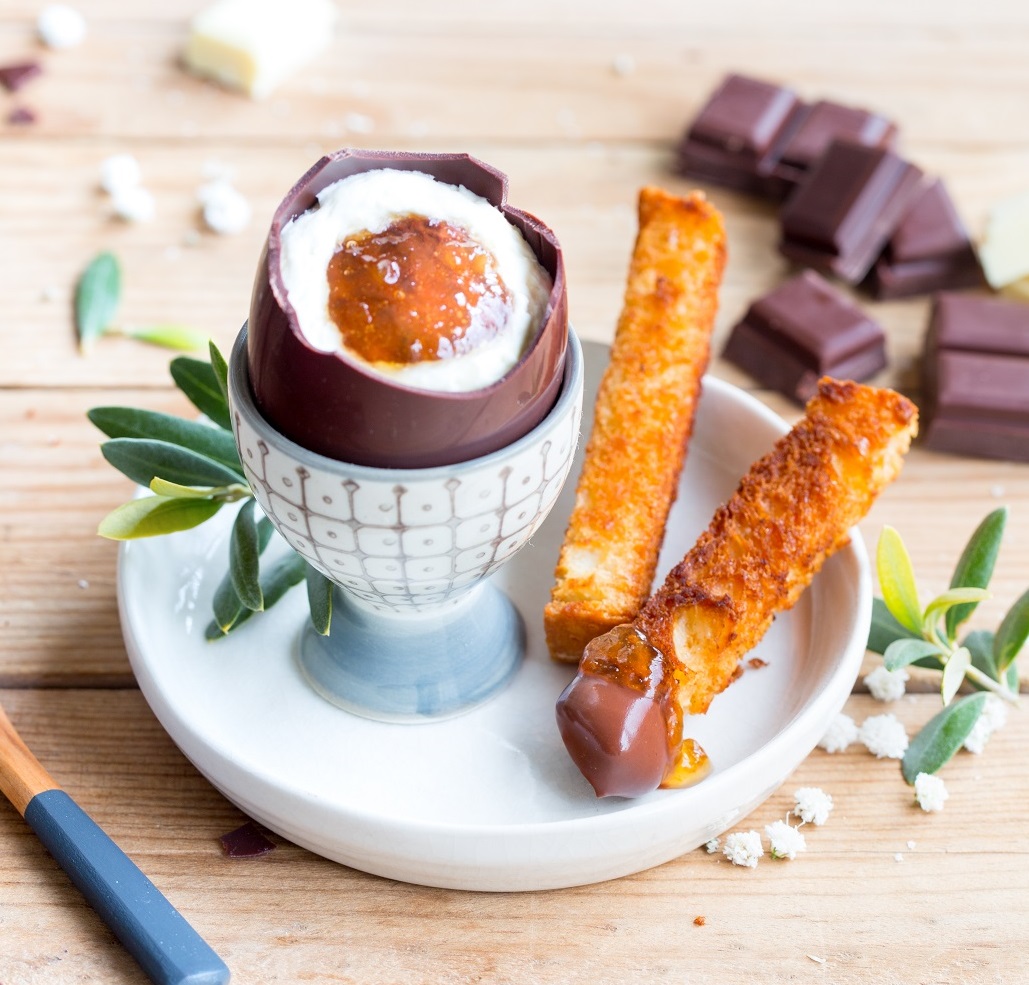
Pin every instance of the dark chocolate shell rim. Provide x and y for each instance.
(453, 168)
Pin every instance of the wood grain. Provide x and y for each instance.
(582, 104)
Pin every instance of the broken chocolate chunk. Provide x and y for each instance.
(841, 217)
(929, 251)
(801, 331)
(976, 378)
(246, 841)
(13, 77)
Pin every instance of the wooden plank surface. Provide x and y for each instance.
(581, 103)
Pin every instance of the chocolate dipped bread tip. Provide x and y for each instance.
(790, 512)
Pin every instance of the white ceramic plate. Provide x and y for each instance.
(488, 800)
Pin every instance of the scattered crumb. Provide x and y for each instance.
(911, 845)
(930, 792)
(756, 663)
(743, 848)
(712, 846)
(82, 583)
(841, 733)
(133, 204)
(225, 210)
(784, 840)
(358, 123)
(623, 65)
(699, 921)
(899, 857)
(816, 958)
(812, 805)
(993, 717)
(51, 292)
(119, 171)
(61, 26)
(13, 77)
(247, 841)
(997, 492)
(884, 736)
(886, 685)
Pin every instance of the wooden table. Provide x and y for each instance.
(581, 103)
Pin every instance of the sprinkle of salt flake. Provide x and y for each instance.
(784, 840)
(884, 736)
(119, 171)
(841, 733)
(930, 792)
(133, 204)
(225, 210)
(886, 685)
(712, 846)
(247, 841)
(60, 26)
(743, 848)
(812, 805)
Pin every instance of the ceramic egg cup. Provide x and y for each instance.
(418, 632)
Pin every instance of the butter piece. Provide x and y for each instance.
(1004, 251)
(253, 45)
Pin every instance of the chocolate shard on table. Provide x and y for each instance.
(930, 250)
(801, 331)
(13, 77)
(840, 219)
(976, 377)
(817, 127)
(759, 137)
(734, 137)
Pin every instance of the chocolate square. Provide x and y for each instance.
(822, 123)
(976, 378)
(930, 250)
(841, 217)
(733, 137)
(801, 331)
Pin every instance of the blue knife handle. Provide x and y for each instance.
(168, 949)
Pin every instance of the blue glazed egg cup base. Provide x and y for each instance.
(415, 668)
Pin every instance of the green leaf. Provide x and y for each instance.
(885, 629)
(319, 600)
(979, 644)
(284, 575)
(130, 422)
(244, 558)
(198, 381)
(142, 459)
(152, 516)
(975, 566)
(226, 605)
(97, 296)
(954, 673)
(901, 653)
(897, 580)
(169, 336)
(945, 603)
(1012, 633)
(942, 736)
(221, 369)
(226, 494)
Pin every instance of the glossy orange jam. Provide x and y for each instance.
(419, 290)
(625, 656)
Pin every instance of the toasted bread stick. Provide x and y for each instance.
(622, 716)
(643, 417)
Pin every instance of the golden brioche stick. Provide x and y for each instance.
(643, 417)
(792, 510)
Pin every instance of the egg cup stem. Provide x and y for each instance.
(416, 667)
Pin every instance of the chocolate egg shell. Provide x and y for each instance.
(331, 405)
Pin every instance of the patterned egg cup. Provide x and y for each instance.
(418, 632)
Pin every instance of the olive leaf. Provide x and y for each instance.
(130, 422)
(199, 382)
(975, 566)
(168, 336)
(143, 459)
(1012, 633)
(954, 671)
(97, 296)
(284, 574)
(319, 600)
(902, 653)
(152, 516)
(221, 369)
(227, 607)
(897, 580)
(942, 736)
(946, 602)
(244, 558)
(884, 629)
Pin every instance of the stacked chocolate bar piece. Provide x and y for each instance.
(851, 208)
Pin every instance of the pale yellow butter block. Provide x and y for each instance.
(253, 45)
(1017, 290)
(1004, 251)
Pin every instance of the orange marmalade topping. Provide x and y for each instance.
(625, 656)
(419, 290)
